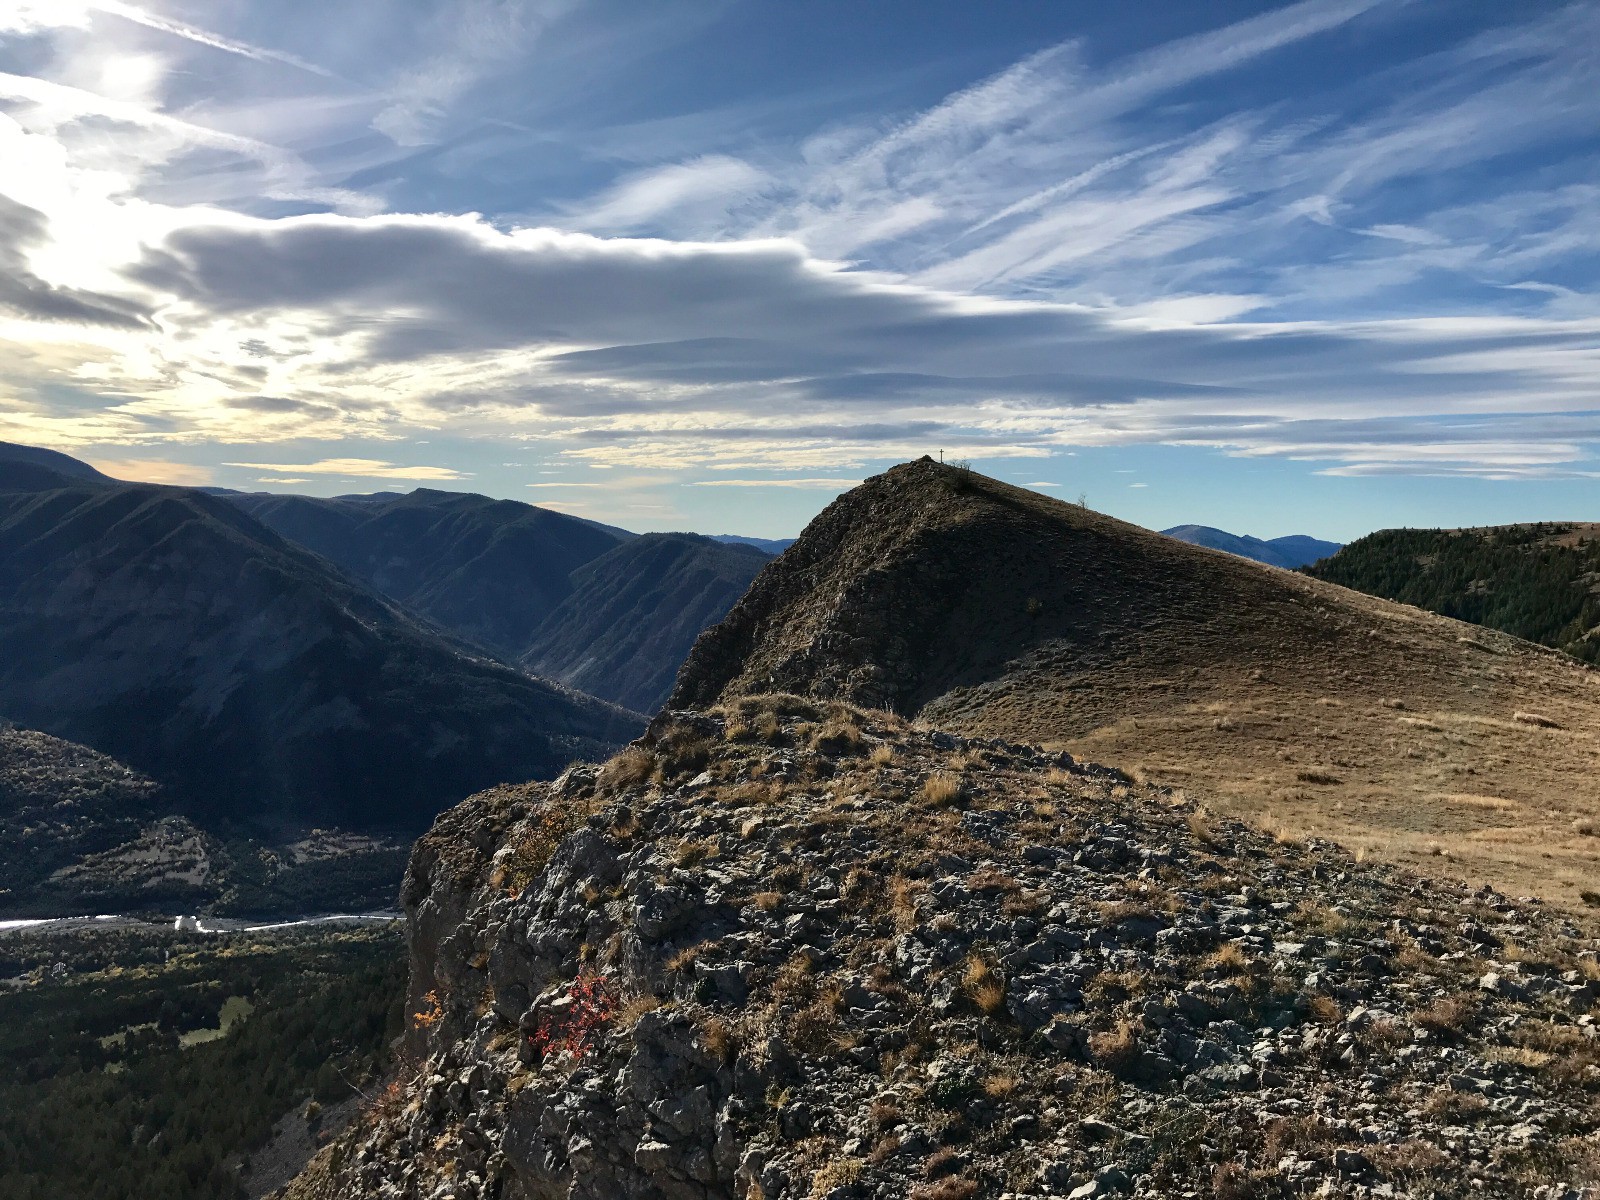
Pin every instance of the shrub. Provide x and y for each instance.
(530, 848)
(592, 1003)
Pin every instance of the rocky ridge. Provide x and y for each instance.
(789, 948)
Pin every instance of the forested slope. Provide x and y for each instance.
(1540, 582)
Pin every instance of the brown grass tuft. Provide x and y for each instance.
(983, 985)
(1534, 719)
(941, 789)
(631, 768)
(1115, 1049)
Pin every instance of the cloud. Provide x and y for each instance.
(472, 39)
(190, 33)
(1082, 249)
(825, 484)
(360, 468)
(756, 355)
(154, 470)
(23, 294)
(701, 192)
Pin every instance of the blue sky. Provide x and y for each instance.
(1319, 267)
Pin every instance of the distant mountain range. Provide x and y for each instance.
(1295, 550)
(177, 633)
(770, 545)
(487, 570)
(634, 613)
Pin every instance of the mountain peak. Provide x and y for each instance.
(985, 609)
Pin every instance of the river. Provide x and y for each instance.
(193, 924)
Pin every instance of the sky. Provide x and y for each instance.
(1320, 267)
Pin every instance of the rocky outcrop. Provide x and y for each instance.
(793, 949)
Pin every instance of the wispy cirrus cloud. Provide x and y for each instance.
(821, 484)
(1084, 248)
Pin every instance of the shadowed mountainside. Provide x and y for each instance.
(1295, 550)
(635, 612)
(487, 570)
(983, 608)
(1540, 582)
(32, 469)
(173, 631)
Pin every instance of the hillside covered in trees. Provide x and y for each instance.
(1540, 581)
(140, 1063)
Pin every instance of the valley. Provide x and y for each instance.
(257, 716)
(149, 1063)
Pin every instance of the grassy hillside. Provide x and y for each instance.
(1540, 582)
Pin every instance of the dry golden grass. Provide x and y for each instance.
(903, 895)
(1465, 786)
(629, 769)
(983, 985)
(1324, 1010)
(941, 789)
(635, 1007)
(1228, 959)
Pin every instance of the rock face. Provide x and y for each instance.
(635, 612)
(791, 949)
(989, 610)
(169, 629)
